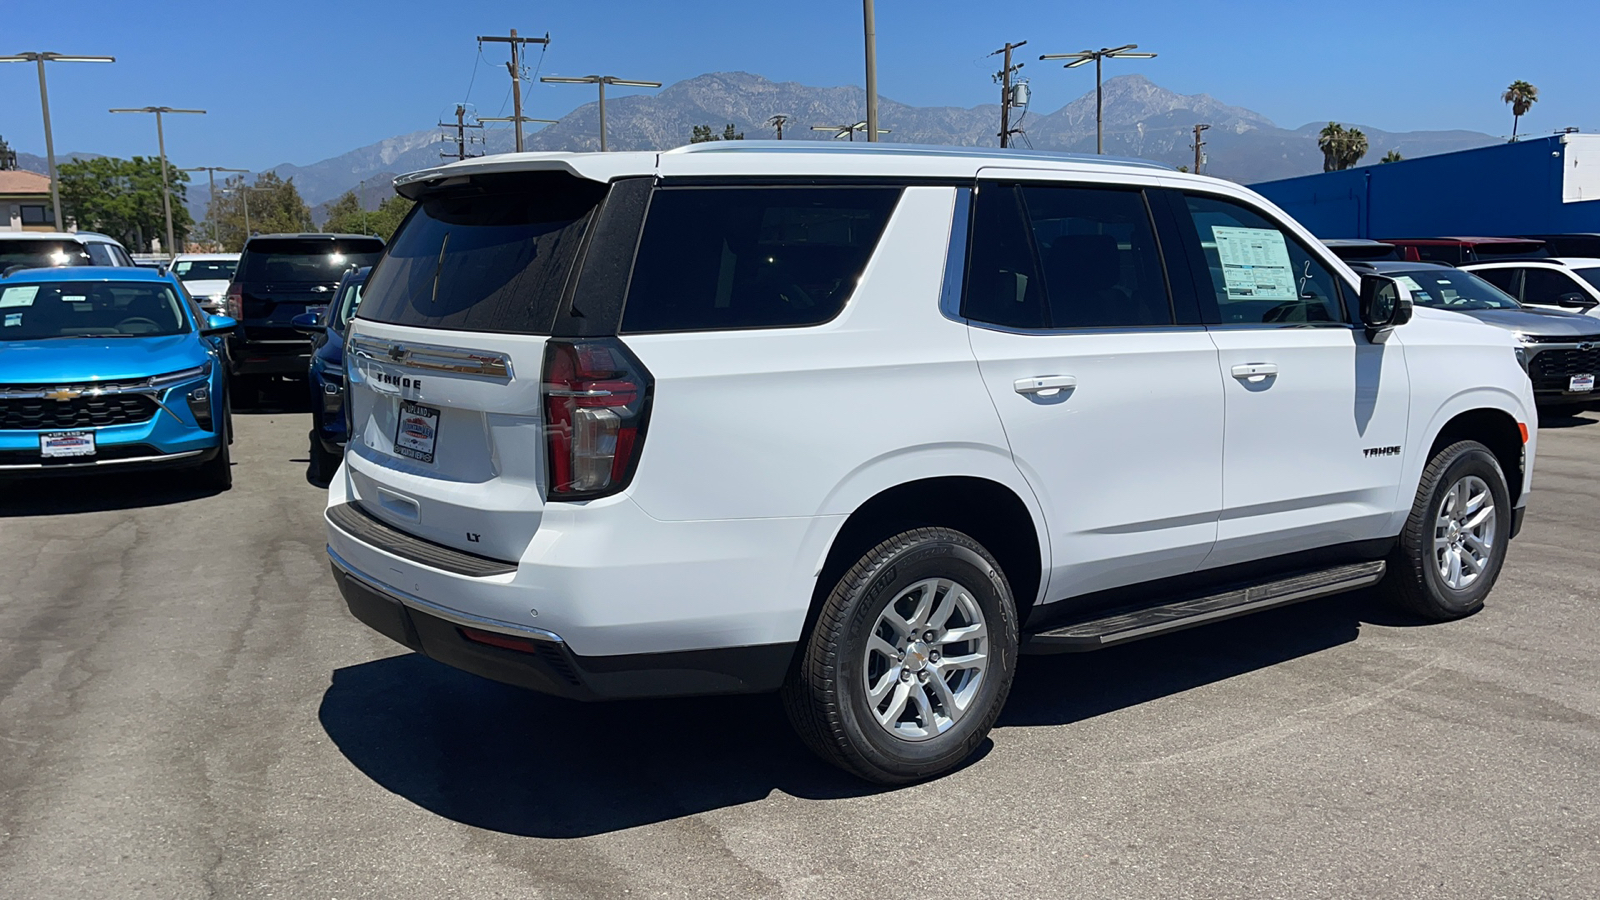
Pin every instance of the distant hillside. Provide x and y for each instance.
(1142, 119)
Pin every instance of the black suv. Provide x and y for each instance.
(279, 277)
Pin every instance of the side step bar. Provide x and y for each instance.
(1120, 628)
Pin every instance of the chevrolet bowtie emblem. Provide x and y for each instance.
(1586, 345)
(62, 395)
(397, 352)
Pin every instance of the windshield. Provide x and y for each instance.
(205, 269)
(292, 260)
(348, 301)
(62, 309)
(1591, 275)
(42, 254)
(1454, 289)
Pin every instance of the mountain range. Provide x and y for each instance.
(1142, 119)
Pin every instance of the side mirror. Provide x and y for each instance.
(218, 325)
(308, 323)
(1385, 303)
(1576, 300)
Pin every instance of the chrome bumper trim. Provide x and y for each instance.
(454, 616)
(165, 457)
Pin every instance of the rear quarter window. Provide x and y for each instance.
(722, 258)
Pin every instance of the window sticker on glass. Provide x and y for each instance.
(1255, 263)
(21, 295)
(12, 320)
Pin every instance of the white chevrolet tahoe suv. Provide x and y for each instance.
(862, 424)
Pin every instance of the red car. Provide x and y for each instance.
(1459, 250)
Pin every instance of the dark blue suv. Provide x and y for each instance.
(326, 373)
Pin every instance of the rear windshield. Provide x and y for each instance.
(305, 260)
(42, 254)
(490, 256)
(56, 309)
(205, 269)
(752, 257)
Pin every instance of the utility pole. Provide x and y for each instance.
(161, 141)
(778, 122)
(515, 67)
(517, 119)
(602, 81)
(211, 176)
(1083, 57)
(1197, 145)
(1004, 77)
(848, 131)
(461, 126)
(871, 30)
(44, 104)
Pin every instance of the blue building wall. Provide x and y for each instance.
(1506, 189)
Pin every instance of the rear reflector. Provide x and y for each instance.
(503, 641)
(596, 404)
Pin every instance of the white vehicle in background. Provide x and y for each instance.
(1564, 282)
(860, 424)
(206, 277)
(48, 249)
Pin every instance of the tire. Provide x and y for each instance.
(1420, 576)
(923, 579)
(216, 474)
(321, 464)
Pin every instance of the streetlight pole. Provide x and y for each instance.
(1084, 57)
(870, 30)
(161, 142)
(211, 175)
(44, 104)
(602, 81)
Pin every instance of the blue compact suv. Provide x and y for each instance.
(104, 368)
(326, 373)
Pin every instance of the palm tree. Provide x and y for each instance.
(1522, 96)
(1392, 156)
(1331, 141)
(1355, 147)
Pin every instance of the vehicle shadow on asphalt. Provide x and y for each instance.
(1554, 419)
(56, 495)
(508, 760)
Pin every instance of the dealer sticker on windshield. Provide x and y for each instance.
(57, 444)
(417, 432)
(1581, 383)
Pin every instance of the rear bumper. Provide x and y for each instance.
(540, 660)
(247, 357)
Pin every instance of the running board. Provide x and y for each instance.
(1131, 626)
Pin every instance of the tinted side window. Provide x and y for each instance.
(1546, 286)
(1098, 253)
(1504, 279)
(1259, 272)
(1003, 282)
(713, 259)
(99, 255)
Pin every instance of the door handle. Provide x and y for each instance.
(1254, 371)
(1049, 385)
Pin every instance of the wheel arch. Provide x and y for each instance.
(994, 514)
(1495, 428)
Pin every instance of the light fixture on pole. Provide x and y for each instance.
(211, 175)
(602, 81)
(44, 103)
(1084, 57)
(161, 143)
(849, 131)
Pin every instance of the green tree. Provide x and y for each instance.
(1522, 96)
(8, 156)
(122, 198)
(1341, 147)
(1392, 156)
(274, 205)
(703, 133)
(346, 216)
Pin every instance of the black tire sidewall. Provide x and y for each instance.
(926, 558)
(1472, 461)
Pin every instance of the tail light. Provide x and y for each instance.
(596, 403)
(234, 302)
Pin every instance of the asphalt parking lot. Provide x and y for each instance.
(187, 710)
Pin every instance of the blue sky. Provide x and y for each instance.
(293, 81)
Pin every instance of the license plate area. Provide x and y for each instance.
(416, 431)
(1580, 384)
(66, 444)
